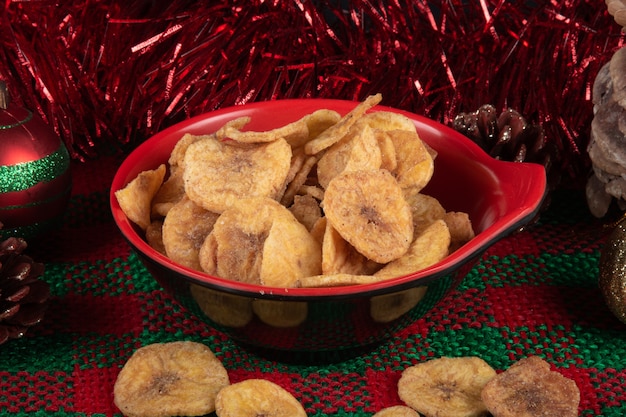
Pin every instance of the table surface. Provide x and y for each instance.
(533, 293)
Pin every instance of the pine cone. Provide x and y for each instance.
(23, 296)
(509, 137)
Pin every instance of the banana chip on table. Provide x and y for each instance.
(170, 379)
(446, 387)
(397, 411)
(257, 397)
(529, 388)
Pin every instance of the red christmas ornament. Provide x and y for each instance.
(35, 181)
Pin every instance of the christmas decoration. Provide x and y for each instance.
(617, 8)
(510, 137)
(117, 72)
(35, 181)
(606, 148)
(612, 267)
(23, 295)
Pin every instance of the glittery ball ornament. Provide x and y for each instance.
(35, 179)
(612, 271)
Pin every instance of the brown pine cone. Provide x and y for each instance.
(23, 296)
(510, 137)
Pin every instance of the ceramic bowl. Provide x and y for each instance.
(500, 197)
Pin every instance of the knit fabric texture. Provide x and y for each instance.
(533, 293)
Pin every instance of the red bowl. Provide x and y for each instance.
(500, 197)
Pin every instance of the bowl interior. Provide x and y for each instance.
(498, 196)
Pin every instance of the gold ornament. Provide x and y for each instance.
(612, 278)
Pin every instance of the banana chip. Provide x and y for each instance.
(425, 210)
(397, 411)
(368, 210)
(335, 280)
(169, 193)
(234, 248)
(283, 261)
(154, 236)
(135, 199)
(460, 227)
(387, 121)
(306, 209)
(217, 174)
(448, 387)
(334, 133)
(529, 388)
(257, 397)
(427, 249)
(415, 165)
(339, 257)
(356, 151)
(185, 228)
(170, 379)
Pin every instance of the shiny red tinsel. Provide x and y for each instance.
(115, 72)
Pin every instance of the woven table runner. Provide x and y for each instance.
(532, 293)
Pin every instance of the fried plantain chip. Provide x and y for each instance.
(415, 165)
(397, 411)
(448, 387)
(529, 388)
(257, 397)
(339, 257)
(290, 252)
(170, 379)
(427, 249)
(368, 210)
(461, 230)
(335, 280)
(334, 133)
(185, 228)
(357, 150)
(217, 174)
(135, 198)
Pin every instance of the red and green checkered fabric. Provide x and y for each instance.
(533, 293)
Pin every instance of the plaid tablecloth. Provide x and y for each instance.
(533, 293)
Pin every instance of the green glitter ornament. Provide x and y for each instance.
(35, 180)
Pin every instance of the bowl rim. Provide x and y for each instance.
(501, 228)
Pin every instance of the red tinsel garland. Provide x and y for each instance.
(116, 72)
